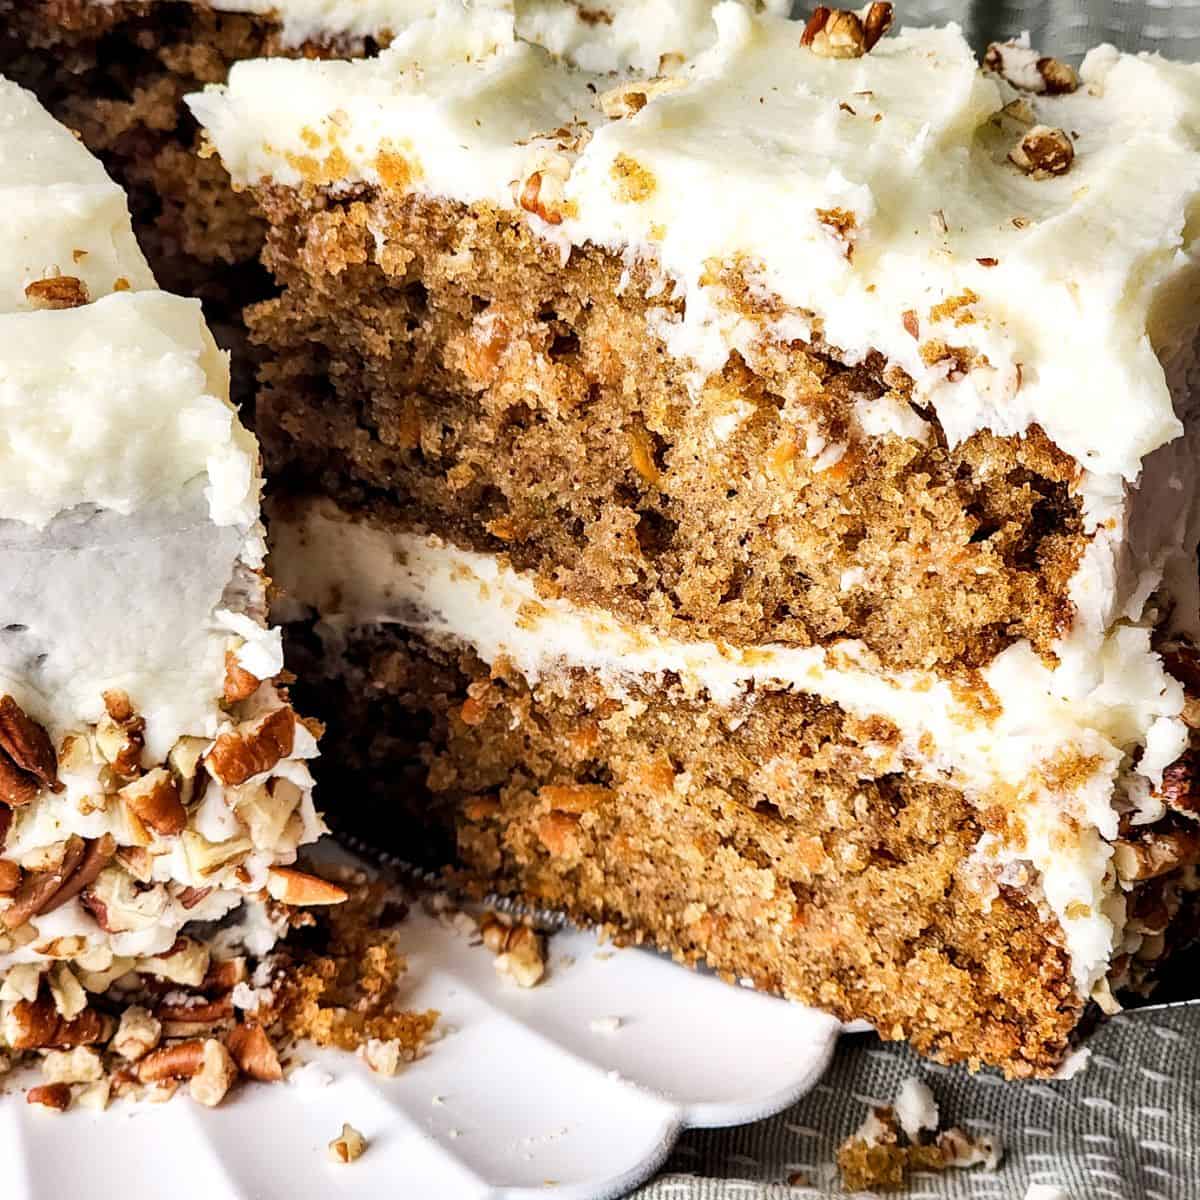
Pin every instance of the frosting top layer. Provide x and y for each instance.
(874, 194)
(112, 393)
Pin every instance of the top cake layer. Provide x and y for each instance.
(875, 195)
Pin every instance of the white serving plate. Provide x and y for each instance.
(519, 1093)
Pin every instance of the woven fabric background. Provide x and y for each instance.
(1127, 1127)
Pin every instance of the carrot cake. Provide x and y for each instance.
(744, 493)
(154, 786)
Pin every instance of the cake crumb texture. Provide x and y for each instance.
(463, 379)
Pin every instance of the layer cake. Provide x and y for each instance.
(742, 491)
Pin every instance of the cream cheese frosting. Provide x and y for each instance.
(349, 573)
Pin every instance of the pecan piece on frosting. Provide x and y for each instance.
(44, 891)
(119, 736)
(240, 684)
(57, 291)
(842, 33)
(1029, 71)
(253, 747)
(1155, 854)
(1043, 152)
(154, 800)
(27, 757)
(10, 877)
(1180, 788)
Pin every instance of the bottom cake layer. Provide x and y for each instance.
(759, 840)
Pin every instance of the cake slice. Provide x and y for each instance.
(750, 500)
(154, 787)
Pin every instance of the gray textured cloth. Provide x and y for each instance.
(1128, 1126)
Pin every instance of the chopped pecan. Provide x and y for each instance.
(10, 877)
(118, 705)
(120, 736)
(253, 747)
(185, 963)
(189, 897)
(207, 1012)
(16, 788)
(119, 905)
(137, 862)
(253, 1053)
(519, 948)
(56, 1096)
(206, 858)
(181, 1060)
(348, 1145)
(1180, 788)
(239, 683)
(37, 1025)
(531, 200)
(40, 887)
(154, 800)
(207, 1064)
(223, 976)
(842, 33)
(1029, 71)
(137, 1034)
(628, 99)
(216, 1076)
(27, 758)
(27, 744)
(1156, 854)
(96, 857)
(1043, 152)
(81, 1064)
(289, 886)
(523, 958)
(876, 24)
(58, 291)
